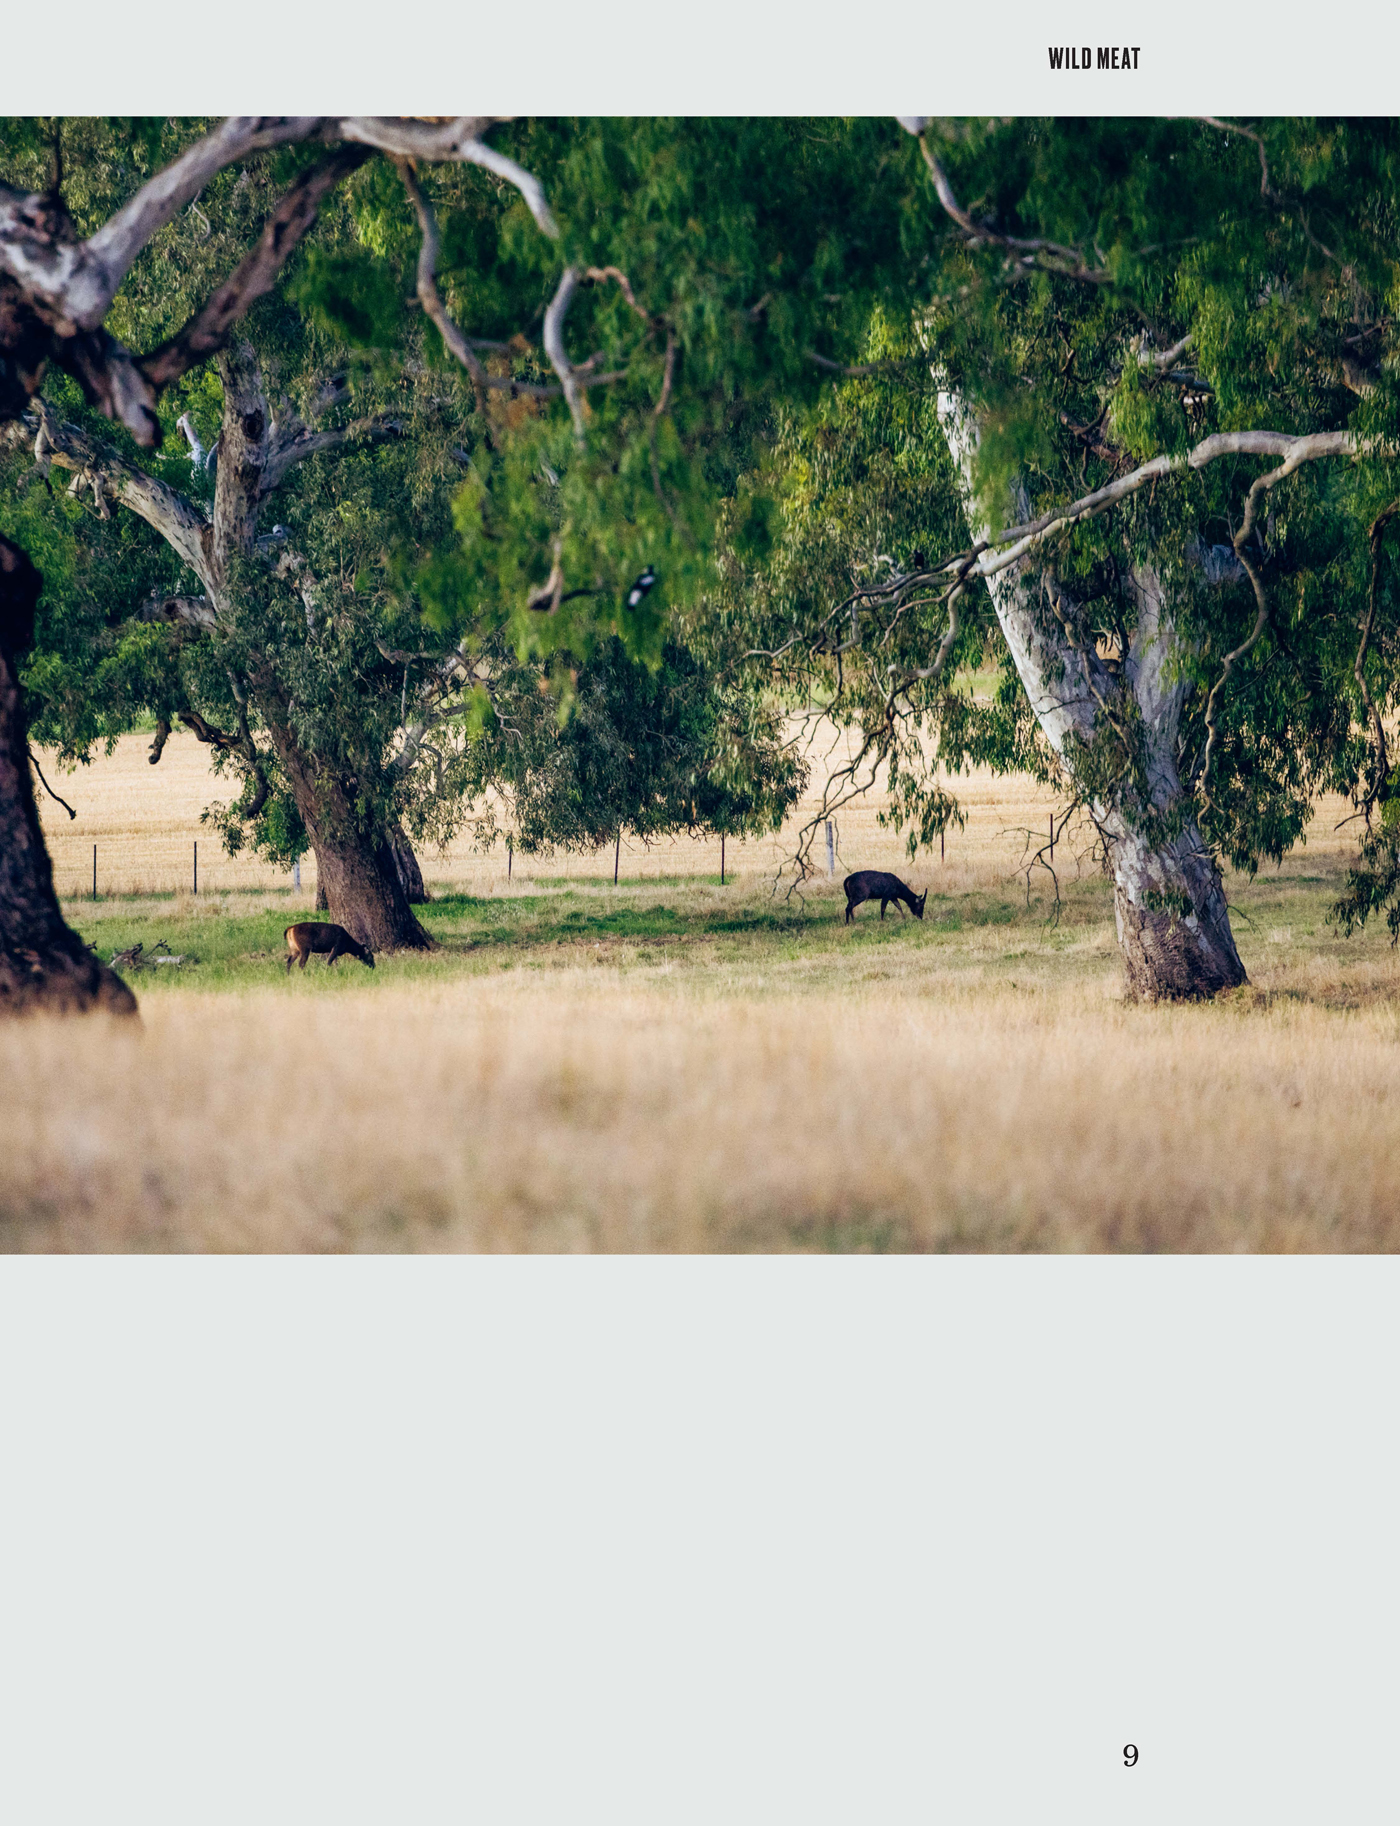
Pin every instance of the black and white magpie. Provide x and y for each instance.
(640, 588)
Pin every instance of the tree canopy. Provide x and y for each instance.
(1109, 405)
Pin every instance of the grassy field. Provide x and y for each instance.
(671, 1064)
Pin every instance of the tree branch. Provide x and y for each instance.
(554, 346)
(106, 257)
(452, 142)
(303, 443)
(34, 763)
(1294, 450)
(428, 295)
(1297, 455)
(193, 611)
(207, 332)
(179, 521)
(1067, 260)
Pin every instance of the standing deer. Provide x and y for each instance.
(874, 884)
(319, 935)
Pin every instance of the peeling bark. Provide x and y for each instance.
(1169, 902)
(406, 865)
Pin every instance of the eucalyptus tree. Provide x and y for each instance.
(559, 516)
(78, 244)
(1159, 356)
(1153, 365)
(1147, 454)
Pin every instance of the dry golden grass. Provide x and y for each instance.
(570, 1112)
(552, 1081)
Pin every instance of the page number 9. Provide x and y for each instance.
(1129, 1755)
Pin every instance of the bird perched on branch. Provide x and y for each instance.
(640, 588)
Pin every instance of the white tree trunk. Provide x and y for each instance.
(1169, 902)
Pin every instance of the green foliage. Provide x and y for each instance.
(763, 491)
(648, 751)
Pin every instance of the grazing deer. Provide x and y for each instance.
(873, 884)
(319, 935)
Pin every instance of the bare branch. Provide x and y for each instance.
(1294, 450)
(841, 367)
(302, 443)
(1168, 357)
(256, 272)
(428, 295)
(547, 598)
(1298, 454)
(1224, 126)
(453, 142)
(554, 345)
(181, 523)
(199, 457)
(599, 275)
(108, 255)
(1067, 260)
(1266, 188)
(34, 763)
(658, 413)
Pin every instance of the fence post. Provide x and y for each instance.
(510, 857)
(721, 859)
(296, 874)
(196, 865)
(830, 850)
(94, 871)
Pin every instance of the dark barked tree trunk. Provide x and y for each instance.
(405, 862)
(356, 870)
(1169, 901)
(44, 967)
(410, 874)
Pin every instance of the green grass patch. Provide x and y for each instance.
(690, 932)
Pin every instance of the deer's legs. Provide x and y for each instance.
(305, 959)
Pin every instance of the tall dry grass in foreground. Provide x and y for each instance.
(575, 1112)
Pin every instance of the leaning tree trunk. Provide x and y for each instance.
(355, 868)
(1169, 901)
(44, 967)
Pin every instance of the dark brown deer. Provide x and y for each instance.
(873, 884)
(319, 935)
